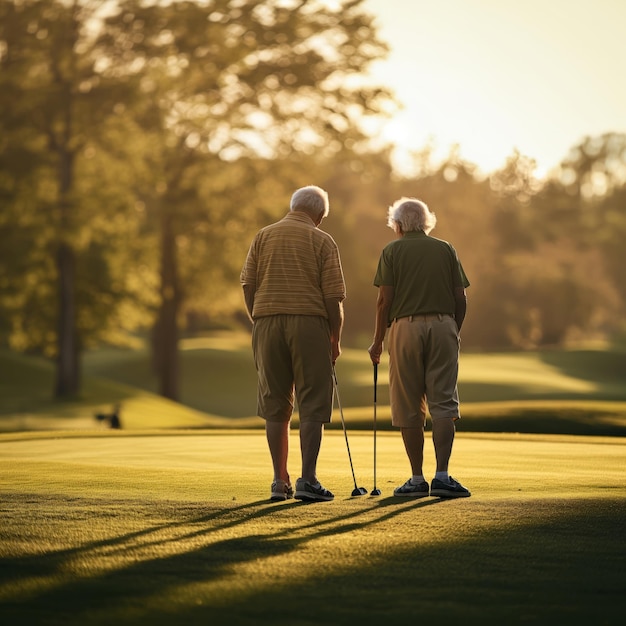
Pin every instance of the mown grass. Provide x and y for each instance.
(157, 525)
(175, 528)
(26, 402)
(559, 392)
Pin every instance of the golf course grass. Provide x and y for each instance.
(176, 528)
(558, 392)
(168, 520)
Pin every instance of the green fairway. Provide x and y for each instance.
(559, 392)
(26, 402)
(175, 528)
(168, 521)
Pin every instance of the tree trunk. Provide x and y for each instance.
(165, 342)
(68, 370)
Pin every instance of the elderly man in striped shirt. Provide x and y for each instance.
(294, 289)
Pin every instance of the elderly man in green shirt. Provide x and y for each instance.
(294, 289)
(421, 299)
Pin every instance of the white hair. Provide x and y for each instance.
(312, 200)
(410, 214)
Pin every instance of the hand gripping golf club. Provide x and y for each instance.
(358, 491)
(375, 491)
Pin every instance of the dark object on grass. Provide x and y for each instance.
(112, 419)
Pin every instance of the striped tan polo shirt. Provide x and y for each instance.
(293, 266)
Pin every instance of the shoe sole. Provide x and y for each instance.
(444, 493)
(416, 494)
(312, 497)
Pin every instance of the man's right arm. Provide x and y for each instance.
(334, 310)
(383, 306)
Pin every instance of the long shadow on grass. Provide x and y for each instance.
(127, 568)
(54, 561)
(159, 535)
(555, 562)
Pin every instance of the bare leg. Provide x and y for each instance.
(310, 443)
(443, 438)
(277, 434)
(414, 445)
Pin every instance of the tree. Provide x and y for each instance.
(55, 108)
(554, 260)
(222, 82)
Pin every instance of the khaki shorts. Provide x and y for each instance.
(423, 369)
(293, 351)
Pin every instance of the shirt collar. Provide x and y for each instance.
(300, 216)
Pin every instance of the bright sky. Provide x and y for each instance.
(495, 75)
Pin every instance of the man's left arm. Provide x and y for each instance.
(460, 306)
(249, 292)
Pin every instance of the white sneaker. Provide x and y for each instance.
(281, 491)
(313, 493)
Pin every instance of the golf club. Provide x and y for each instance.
(375, 491)
(358, 491)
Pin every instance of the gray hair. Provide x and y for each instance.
(312, 200)
(410, 214)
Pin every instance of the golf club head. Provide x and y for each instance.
(375, 492)
(359, 491)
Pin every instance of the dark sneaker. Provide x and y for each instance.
(412, 491)
(452, 489)
(281, 491)
(312, 493)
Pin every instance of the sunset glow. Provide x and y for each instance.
(494, 76)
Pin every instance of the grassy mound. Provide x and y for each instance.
(26, 404)
(559, 392)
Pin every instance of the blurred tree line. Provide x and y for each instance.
(142, 144)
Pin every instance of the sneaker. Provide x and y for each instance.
(281, 491)
(311, 493)
(452, 489)
(412, 491)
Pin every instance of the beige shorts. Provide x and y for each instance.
(293, 351)
(423, 369)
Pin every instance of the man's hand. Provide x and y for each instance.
(334, 309)
(336, 350)
(383, 306)
(375, 350)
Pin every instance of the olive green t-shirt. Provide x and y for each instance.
(424, 272)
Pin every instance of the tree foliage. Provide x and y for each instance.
(174, 96)
(56, 109)
(142, 144)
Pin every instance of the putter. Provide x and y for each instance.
(375, 491)
(358, 491)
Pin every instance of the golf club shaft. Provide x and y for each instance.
(343, 423)
(375, 387)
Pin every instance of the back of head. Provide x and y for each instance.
(410, 214)
(311, 200)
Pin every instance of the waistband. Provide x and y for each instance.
(426, 318)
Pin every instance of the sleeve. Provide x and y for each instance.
(332, 280)
(460, 279)
(464, 279)
(248, 272)
(384, 271)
